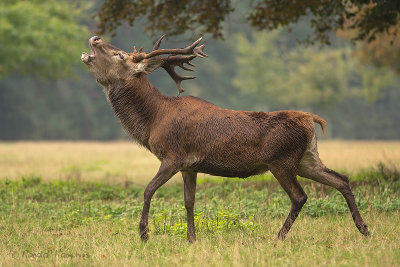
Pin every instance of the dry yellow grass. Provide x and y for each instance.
(119, 162)
(101, 161)
(352, 156)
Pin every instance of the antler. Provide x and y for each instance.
(172, 61)
(177, 57)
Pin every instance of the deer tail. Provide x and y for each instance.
(320, 121)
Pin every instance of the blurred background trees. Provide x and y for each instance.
(47, 93)
(367, 18)
(40, 37)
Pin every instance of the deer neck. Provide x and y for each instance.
(135, 104)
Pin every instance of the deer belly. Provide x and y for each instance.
(230, 169)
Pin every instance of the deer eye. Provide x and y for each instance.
(120, 55)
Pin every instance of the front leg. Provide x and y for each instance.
(166, 171)
(189, 179)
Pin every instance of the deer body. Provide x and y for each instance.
(202, 137)
(191, 135)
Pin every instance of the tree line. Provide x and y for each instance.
(45, 93)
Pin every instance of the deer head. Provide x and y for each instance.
(111, 65)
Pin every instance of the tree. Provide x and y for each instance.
(367, 17)
(382, 52)
(303, 77)
(40, 37)
(42, 40)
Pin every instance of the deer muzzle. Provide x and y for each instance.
(85, 57)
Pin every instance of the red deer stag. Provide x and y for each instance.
(190, 135)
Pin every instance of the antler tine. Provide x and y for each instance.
(177, 78)
(157, 44)
(184, 67)
(179, 60)
(198, 51)
(180, 51)
(192, 46)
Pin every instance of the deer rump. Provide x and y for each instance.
(230, 143)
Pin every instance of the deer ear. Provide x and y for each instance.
(148, 66)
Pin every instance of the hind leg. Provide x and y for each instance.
(311, 167)
(288, 180)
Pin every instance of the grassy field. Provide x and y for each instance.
(79, 203)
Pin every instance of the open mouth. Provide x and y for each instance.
(86, 58)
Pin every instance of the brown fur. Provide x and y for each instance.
(191, 135)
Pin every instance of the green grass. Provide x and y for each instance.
(86, 223)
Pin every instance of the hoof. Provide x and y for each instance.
(191, 239)
(281, 235)
(144, 232)
(144, 236)
(363, 228)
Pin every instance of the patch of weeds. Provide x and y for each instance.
(34, 189)
(223, 221)
(388, 172)
(382, 172)
(221, 180)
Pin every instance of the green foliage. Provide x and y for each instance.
(382, 172)
(384, 51)
(81, 223)
(67, 109)
(176, 18)
(173, 18)
(260, 77)
(357, 118)
(303, 77)
(249, 71)
(40, 37)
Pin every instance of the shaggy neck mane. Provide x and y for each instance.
(136, 104)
